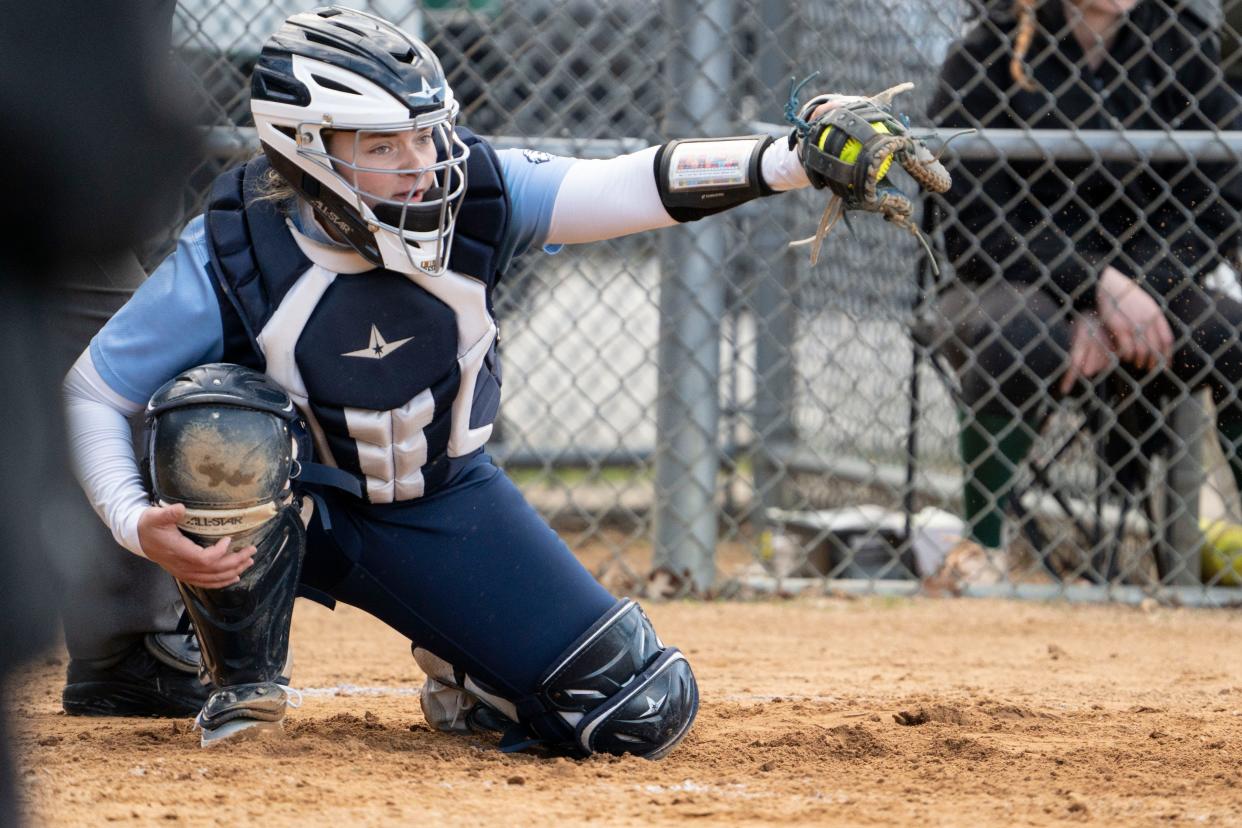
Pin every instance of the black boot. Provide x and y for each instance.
(134, 683)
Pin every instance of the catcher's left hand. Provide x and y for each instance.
(847, 145)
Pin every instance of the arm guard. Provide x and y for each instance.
(704, 176)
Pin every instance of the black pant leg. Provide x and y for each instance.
(1009, 344)
(111, 597)
(1207, 330)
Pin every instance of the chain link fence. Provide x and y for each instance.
(700, 410)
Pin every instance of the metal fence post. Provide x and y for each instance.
(691, 308)
(773, 302)
(1180, 537)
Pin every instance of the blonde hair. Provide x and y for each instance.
(1024, 33)
(273, 188)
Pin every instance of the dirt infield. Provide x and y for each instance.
(815, 711)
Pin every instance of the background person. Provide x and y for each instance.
(1070, 270)
(119, 612)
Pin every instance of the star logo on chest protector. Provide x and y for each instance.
(379, 348)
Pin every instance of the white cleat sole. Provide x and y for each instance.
(240, 730)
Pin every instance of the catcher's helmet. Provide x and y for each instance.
(341, 69)
(222, 440)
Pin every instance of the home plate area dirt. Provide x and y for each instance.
(816, 711)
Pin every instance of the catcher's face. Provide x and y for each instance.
(384, 166)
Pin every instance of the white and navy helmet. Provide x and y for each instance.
(341, 69)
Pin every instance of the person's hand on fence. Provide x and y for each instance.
(1140, 332)
(1090, 352)
(212, 567)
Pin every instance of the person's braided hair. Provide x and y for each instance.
(1024, 10)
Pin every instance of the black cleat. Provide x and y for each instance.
(136, 684)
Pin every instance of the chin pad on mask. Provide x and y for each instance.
(418, 217)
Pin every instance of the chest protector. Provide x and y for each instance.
(396, 374)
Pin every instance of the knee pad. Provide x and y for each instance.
(221, 441)
(617, 689)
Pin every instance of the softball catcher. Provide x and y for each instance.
(319, 365)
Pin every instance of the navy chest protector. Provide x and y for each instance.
(255, 260)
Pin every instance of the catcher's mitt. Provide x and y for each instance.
(849, 150)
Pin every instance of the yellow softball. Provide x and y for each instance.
(1221, 556)
(849, 153)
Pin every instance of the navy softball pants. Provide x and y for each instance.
(471, 573)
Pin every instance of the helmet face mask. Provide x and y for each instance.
(408, 180)
(333, 73)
